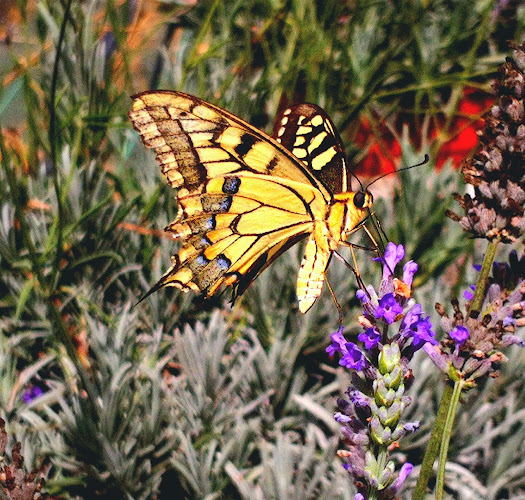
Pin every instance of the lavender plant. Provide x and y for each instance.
(471, 348)
(15, 482)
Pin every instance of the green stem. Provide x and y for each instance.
(59, 328)
(53, 139)
(194, 58)
(445, 441)
(447, 409)
(481, 285)
(433, 445)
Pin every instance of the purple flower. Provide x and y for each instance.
(32, 393)
(468, 294)
(359, 496)
(388, 308)
(418, 328)
(354, 359)
(411, 426)
(110, 44)
(422, 333)
(459, 335)
(405, 471)
(393, 256)
(341, 418)
(436, 355)
(338, 343)
(412, 316)
(513, 340)
(409, 269)
(370, 337)
(358, 399)
(362, 296)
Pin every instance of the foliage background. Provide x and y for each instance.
(179, 398)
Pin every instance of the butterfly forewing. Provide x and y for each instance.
(309, 133)
(195, 141)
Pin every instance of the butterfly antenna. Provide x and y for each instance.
(375, 221)
(426, 160)
(357, 178)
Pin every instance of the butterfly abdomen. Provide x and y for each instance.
(342, 217)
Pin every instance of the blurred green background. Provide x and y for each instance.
(180, 398)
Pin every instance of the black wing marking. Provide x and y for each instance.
(309, 134)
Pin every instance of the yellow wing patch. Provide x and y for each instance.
(188, 134)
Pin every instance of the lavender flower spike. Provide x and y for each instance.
(394, 328)
(472, 346)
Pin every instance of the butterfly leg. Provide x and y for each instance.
(336, 302)
(361, 247)
(379, 248)
(380, 231)
(376, 247)
(355, 269)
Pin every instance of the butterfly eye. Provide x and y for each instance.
(359, 199)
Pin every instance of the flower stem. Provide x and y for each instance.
(445, 440)
(433, 445)
(481, 285)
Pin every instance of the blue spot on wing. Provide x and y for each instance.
(231, 185)
(223, 262)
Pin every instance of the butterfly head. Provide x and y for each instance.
(363, 200)
(347, 211)
(358, 208)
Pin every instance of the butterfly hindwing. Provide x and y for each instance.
(308, 132)
(230, 236)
